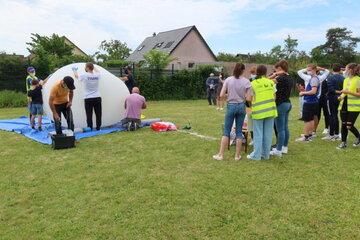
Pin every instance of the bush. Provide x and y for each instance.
(12, 99)
(180, 85)
(12, 72)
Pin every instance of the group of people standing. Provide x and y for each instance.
(62, 93)
(264, 100)
(331, 93)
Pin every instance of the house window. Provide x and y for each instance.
(191, 65)
(158, 45)
(169, 44)
(141, 48)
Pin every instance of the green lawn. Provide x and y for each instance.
(147, 185)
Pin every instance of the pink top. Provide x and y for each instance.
(133, 105)
(236, 89)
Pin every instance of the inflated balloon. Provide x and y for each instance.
(113, 93)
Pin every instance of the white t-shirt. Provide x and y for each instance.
(91, 84)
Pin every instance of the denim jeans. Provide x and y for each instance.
(234, 111)
(282, 126)
(263, 129)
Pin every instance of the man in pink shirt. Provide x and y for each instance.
(134, 103)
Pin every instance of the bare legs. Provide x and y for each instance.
(224, 143)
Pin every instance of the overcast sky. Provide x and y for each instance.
(235, 26)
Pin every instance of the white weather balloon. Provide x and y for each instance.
(113, 93)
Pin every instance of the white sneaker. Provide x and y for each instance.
(336, 138)
(325, 132)
(313, 135)
(251, 143)
(303, 139)
(284, 150)
(218, 157)
(221, 109)
(276, 153)
(238, 158)
(327, 137)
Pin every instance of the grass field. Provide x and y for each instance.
(147, 185)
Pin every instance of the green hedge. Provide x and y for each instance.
(180, 85)
(12, 72)
(12, 99)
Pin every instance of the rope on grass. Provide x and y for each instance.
(208, 138)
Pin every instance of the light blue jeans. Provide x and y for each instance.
(234, 111)
(282, 122)
(263, 129)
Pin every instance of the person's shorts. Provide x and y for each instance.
(36, 109)
(310, 110)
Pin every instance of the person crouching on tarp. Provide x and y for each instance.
(60, 101)
(134, 103)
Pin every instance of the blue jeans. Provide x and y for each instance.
(263, 129)
(235, 111)
(282, 126)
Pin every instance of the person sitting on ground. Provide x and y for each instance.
(211, 85)
(36, 106)
(92, 96)
(60, 101)
(128, 79)
(134, 103)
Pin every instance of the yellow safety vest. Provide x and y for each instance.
(351, 84)
(263, 105)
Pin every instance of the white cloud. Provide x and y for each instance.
(314, 33)
(88, 22)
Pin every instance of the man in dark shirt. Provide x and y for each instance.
(211, 86)
(129, 79)
(335, 85)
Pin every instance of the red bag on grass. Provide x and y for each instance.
(163, 126)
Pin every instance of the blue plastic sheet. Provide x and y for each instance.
(22, 126)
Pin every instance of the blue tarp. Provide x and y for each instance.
(22, 126)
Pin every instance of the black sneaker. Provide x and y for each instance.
(342, 146)
(40, 128)
(357, 143)
(33, 127)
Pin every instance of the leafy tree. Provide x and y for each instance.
(52, 52)
(157, 60)
(290, 45)
(276, 53)
(114, 50)
(227, 57)
(339, 47)
(54, 45)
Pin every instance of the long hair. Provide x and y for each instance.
(238, 70)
